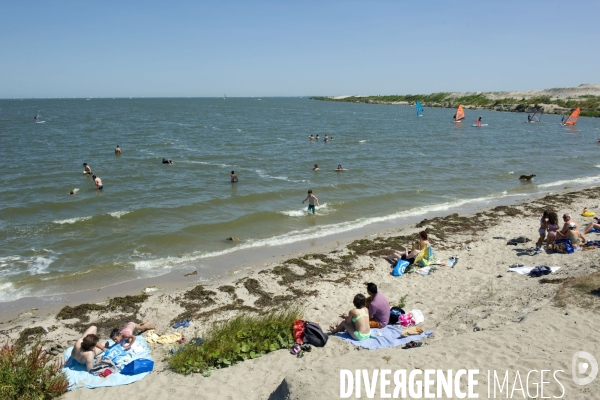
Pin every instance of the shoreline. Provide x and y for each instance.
(474, 308)
(559, 101)
(209, 271)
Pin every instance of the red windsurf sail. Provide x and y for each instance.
(460, 113)
(573, 117)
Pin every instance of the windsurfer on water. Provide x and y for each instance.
(479, 121)
(529, 118)
(35, 118)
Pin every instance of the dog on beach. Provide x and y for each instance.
(527, 177)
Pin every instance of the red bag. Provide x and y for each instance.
(298, 330)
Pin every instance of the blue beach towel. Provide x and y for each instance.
(383, 338)
(79, 377)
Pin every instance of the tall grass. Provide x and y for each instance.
(237, 339)
(28, 373)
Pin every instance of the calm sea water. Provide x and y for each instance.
(152, 217)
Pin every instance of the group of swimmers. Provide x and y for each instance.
(325, 139)
(88, 171)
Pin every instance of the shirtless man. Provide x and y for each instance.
(87, 348)
(118, 150)
(234, 177)
(98, 182)
(562, 234)
(311, 201)
(87, 168)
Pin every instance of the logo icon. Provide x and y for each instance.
(580, 367)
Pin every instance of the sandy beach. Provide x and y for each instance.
(482, 316)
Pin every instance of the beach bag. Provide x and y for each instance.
(569, 247)
(395, 313)
(400, 268)
(406, 320)
(313, 334)
(417, 316)
(298, 330)
(540, 271)
(138, 366)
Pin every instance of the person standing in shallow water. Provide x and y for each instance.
(311, 201)
(234, 177)
(117, 150)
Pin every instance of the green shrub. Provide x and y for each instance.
(237, 339)
(28, 373)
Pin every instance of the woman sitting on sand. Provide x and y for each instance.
(574, 236)
(420, 244)
(356, 322)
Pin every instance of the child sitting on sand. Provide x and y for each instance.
(125, 336)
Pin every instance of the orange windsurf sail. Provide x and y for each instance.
(460, 113)
(573, 117)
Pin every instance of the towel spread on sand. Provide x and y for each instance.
(152, 337)
(524, 270)
(390, 336)
(78, 376)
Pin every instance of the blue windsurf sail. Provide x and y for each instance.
(419, 108)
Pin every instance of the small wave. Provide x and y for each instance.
(362, 141)
(597, 166)
(214, 164)
(35, 264)
(303, 211)
(511, 172)
(118, 214)
(585, 181)
(71, 220)
(75, 190)
(8, 292)
(263, 174)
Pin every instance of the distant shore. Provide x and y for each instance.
(553, 101)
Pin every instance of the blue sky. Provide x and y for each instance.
(293, 48)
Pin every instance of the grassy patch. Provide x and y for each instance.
(583, 292)
(237, 339)
(29, 374)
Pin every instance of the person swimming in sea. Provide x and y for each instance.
(316, 167)
(165, 161)
(326, 138)
(87, 169)
(317, 137)
(98, 182)
(117, 150)
(339, 168)
(234, 177)
(311, 138)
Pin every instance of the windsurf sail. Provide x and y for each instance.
(573, 117)
(460, 113)
(419, 108)
(537, 115)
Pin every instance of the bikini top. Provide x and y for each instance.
(552, 226)
(360, 315)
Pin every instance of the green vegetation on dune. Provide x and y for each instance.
(590, 105)
(237, 339)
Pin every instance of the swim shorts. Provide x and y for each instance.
(311, 207)
(100, 187)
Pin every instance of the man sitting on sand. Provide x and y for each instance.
(379, 308)
(567, 226)
(87, 348)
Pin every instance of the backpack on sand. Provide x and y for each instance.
(313, 334)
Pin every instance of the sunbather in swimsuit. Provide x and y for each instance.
(361, 336)
(552, 228)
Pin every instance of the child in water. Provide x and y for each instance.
(311, 201)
